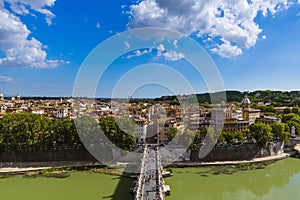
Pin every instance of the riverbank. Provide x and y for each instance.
(38, 166)
(49, 165)
(25, 167)
(220, 163)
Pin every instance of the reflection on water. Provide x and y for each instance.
(280, 180)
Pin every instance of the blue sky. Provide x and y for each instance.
(254, 44)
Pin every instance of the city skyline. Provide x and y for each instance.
(42, 45)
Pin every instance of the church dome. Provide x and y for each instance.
(246, 100)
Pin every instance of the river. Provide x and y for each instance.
(280, 180)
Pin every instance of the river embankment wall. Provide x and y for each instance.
(13, 159)
(218, 153)
(236, 152)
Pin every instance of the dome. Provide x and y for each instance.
(246, 100)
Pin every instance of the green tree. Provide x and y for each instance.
(261, 133)
(296, 125)
(31, 132)
(229, 137)
(280, 132)
(116, 135)
(171, 133)
(233, 137)
(287, 111)
(197, 138)
(296, 110)
(290, 117)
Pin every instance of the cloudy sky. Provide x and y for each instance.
(254, 43)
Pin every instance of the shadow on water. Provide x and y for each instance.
(122, 190)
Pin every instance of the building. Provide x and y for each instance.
(269, 120)
(141, 130)
(38, 111)
(162, 130)
(249, 114)
(61, 113)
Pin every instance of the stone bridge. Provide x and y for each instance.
(150, 183)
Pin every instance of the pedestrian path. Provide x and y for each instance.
(150, 183)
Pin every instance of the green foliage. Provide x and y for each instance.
(290, 117)
(295, 102)
(197, 138)
(232, 137)
(174, 102)
(287, 111)
(171, 133)
(261, 133)
(280, 132)
(290, 120)
(296, 125)
(296, 110)
(193, 138)
(116, 135)
(278, 98)
(169, 170)
(266, 109)
(31, 132)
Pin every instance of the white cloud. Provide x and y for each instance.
(172, 55)
(233, 21)
(161, 47)
(5, 79)
(19, 48)
(19, 9)
(227, 50)
(22, 7)
(98, 25)
(139, 53)
(160, 53)
(168, 54)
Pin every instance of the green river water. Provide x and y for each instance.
(280, 180)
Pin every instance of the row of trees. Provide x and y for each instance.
(26, 131)
(256, 133)
(31, 132)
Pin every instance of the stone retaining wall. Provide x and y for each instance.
(66, 155)
(237, 152)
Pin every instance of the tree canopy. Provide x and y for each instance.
(261, 133)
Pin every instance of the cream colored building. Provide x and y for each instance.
(249, 114)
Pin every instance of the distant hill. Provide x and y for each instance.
(276, 98)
